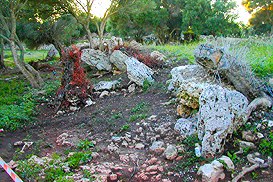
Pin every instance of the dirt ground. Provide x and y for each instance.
(105, 119)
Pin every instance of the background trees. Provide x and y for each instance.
(262, 15)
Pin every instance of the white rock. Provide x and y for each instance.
(139, 146)
(221, 112)
(89, 102)
(97, 59)
(188, 82)
(186, 127)
(138, 72)
(157, 147)
(229, 164)
(118, 59)
(106, 85)
(244, 144)
(39, 161)
(212, 172)
(132, 88)
(270, 123)
(270, 82)
(171, 152)
(104, 94)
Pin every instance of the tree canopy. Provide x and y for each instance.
(262, 15)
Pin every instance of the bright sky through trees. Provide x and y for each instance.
(100, 7)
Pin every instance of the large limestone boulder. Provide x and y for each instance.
(221, 112)
(138, 72)
(97, 59)
(187, 83)
(118, 59)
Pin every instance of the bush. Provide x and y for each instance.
(142, 57)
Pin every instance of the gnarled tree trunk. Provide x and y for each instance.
(2, 65)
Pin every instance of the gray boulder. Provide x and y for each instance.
(221, 112)
(186, 127)
(118, 59)
(97, 59)
(138, 72)
(106, 85)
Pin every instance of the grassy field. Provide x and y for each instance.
(259, 54)
(30, 55)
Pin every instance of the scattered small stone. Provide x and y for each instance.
(73, 109)
(152, 161)
(171, 152)
(18, 143)
(89, 102)
(12, 164)
(260, 135)
(140, 146)
(116, 139)
(113, 177)
(132, 88)
(244, 144)
(151, 168)
(270, 123)
(212, 172)
(152, 117)
(249, 136)
(157, 147)
(112, 148)
(104, 94)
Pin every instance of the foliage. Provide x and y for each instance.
(78, 158)
(142, 57)
(266, 145)
(139, 112)
(74, 83)
(85, 145)
(179, 52)
(140, 19)
(16, 108)
(262, 13)
(209, 18)
(125, 127)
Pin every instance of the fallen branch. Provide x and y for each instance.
(258, 163)
(264, 102)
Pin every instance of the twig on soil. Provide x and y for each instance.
(258, 163)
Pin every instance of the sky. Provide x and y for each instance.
(100, 7)
(243, 14)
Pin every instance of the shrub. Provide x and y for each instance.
(142, 57)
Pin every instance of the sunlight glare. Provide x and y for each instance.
(99, 7)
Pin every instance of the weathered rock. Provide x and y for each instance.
(118, 59)
(132, 88)
(229, 164)
(171, 152)
(221, 112)
(97, 59)
(106, 85)
(270, 81)
(188, 82)
(39, 161)
(186, 127)
(157, 147)
(104, 94)
(158, 56)
(212, 172)
(134, 44)
(64, 140)
(244, 144)
(139, 146)
(89, 102)
(138, 72)
(249, 136)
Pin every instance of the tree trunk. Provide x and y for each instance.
(2, 65)
(28, 71)
(89, 35)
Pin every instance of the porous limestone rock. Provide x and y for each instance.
(157, 147)
(118, 59)
(221, 112)
(97, 59)
(106, 85)
(186, 127)
(138, 72)
(171, 152)
(187, 83)
(215, 170)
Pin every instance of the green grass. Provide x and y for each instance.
(179, 51)
(18, 101)
(30, 55)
